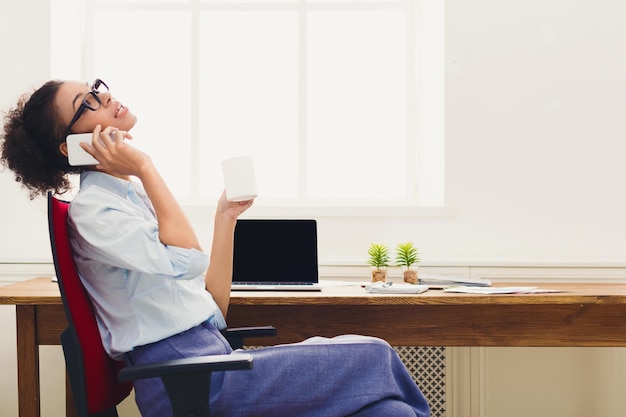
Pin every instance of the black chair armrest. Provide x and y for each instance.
(200, 364)
(188, 381)
(236, 336)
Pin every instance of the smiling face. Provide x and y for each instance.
(111, 112)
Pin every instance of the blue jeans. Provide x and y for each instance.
(348, 375)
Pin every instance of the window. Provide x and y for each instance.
(339, 102)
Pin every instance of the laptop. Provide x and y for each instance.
(275, 255)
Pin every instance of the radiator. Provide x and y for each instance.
(427, 365)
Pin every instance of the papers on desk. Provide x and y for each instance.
(391, 288)
(497, 290)
(442, 281)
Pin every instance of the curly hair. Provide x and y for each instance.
(29, 143)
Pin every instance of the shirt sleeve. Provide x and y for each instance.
(123, 234)
(218, 319)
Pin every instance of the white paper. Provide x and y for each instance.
(391, 288)
(497, 290)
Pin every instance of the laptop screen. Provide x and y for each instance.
(275, 251)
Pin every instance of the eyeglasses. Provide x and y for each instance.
(91, 101)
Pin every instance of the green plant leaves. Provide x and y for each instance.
(406, 254)
(379, 255)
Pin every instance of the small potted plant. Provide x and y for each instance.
(379, 261)
(406, 256)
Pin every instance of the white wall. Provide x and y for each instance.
(535, 138)
(535, 97)
(535, 92)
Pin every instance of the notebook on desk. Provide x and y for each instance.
(275, 255)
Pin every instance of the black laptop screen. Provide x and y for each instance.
(275, 251)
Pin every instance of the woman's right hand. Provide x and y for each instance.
(114, 154)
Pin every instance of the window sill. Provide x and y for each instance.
(283, 211)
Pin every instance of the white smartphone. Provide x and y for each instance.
(76, 155)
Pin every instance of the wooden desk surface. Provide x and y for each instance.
(581, 315)
(42, 291)
(36, 291)
(355, 295)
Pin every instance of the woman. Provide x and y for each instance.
(144, 269)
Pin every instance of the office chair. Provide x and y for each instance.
(99, 383)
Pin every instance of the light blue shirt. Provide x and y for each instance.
(142, 290)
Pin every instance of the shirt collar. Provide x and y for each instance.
(113, 184)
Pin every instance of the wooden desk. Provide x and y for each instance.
(582, 315)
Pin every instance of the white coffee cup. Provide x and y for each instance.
(239, 178)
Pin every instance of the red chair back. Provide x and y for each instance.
(93, 374)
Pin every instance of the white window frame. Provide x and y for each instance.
(425, 109)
